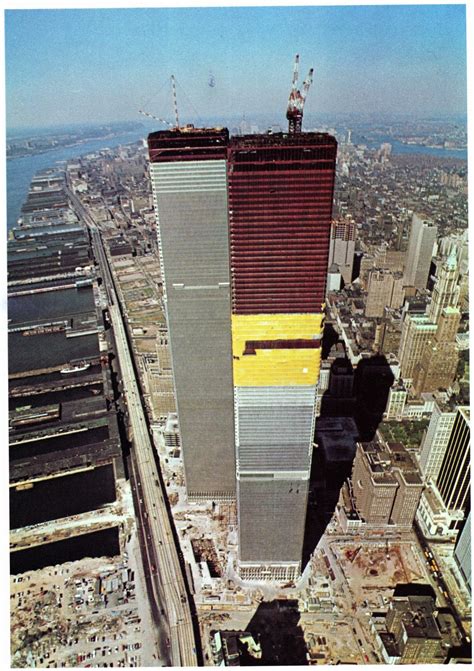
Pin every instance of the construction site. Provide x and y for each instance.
(375, 569)
(86, 611)
(78, 590)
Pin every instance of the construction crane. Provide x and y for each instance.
(175, 106)
(157, 118)
(175, 102)
(294, 112)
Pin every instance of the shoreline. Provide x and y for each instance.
(65, 146)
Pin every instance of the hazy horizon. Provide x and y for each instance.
(92, 65)
(337, 118)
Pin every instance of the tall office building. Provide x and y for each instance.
(439, 361)
(384, 290)
(389, 259)
(342, 246)
(386, 485)
(271, 195)
(334, 281)
(374, 489)
(428, 352)
(420, 251)
(462, 552)
(412, 623)
(416, 332)
(454, 477)
(397, 399)
(446, 290)
(435, 441)
(189, 182)
(280, 204)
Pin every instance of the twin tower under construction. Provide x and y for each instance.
(244, 227)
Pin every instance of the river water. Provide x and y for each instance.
(50, 305)
(104, 543)
(401, 148)
(48, 350)
(20, 171)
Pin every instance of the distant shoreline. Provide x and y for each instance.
(432, 146)
(422, 147)
(109, 136)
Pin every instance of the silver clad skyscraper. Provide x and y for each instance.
(188, 175)
(420, 252)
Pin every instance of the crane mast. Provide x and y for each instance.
(296, 101)
(175, 102)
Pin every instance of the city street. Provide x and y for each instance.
(161, 561)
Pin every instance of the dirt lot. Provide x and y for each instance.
(373, 569)
(92, 612)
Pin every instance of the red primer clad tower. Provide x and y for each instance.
(280, 194)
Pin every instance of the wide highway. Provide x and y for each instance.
(162, 557)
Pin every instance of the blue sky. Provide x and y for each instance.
(100, 65)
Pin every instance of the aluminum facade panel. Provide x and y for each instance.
(191, 207)
(192, 224)
(272, 516)
(274, 428)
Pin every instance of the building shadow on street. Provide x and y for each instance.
(276, 625)
(352, 408)
(373, 378)
(330, 338)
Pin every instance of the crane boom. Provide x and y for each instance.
(157, 118)
(295, 72)
(175, 106)
(307, 83)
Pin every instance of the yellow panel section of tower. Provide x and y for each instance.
(275, 367)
